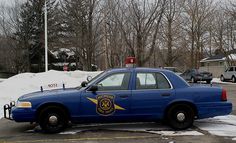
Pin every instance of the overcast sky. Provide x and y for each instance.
(9, 2)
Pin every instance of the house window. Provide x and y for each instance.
(202, 64)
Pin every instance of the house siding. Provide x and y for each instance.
(215, 67)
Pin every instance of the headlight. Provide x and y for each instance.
(23, 104)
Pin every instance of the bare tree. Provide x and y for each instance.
(9, 23)
(139, 23)
(171, 32)
(197, 12)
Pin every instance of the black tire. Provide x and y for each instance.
(208, 81)
(222, 78)
(180, 116)
(59, 119)
(193, 80)
(233, 79)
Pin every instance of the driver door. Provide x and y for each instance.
(111, 101)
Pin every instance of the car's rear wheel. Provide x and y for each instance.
(180, 116)
(53, 119)
(208, 81)
(222, 78)
(233, 79)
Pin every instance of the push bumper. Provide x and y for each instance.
(18, 114)
(7, 110)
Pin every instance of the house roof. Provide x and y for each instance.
(219, 57)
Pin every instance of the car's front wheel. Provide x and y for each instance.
(193, 80)
(208, 81)
(180, 116)
(222, 78)
(233, 79)
(53, 119)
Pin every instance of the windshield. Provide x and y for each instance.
(173, 69)
(93, 79)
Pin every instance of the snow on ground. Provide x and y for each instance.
(153, 128)
(177, 133)
(220, 126)
(24, 83)
(217, 80)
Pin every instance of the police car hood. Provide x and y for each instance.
(49, 93)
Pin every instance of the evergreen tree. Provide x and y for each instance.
(30, 33)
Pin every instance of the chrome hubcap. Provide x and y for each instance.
(180, 117)
(53, 120)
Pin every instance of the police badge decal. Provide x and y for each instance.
(105, 105)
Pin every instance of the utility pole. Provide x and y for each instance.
(46, 37)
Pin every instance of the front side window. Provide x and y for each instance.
(151, 81)
(118, 81)
(186, 72)
(231, 69)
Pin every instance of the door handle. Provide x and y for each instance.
(165, 94)
(124, 96)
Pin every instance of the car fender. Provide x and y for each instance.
(50, 103)
(181, 101)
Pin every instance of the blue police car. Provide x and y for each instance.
(122, 95)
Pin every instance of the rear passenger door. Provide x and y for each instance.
(152, 93)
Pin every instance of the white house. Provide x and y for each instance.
(217, 64)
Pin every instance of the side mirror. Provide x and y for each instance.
(89, 78)
(93, 88)
(84, 84)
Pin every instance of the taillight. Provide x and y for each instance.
(223, 95)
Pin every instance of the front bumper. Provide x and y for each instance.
(7, 108)
(11, 112)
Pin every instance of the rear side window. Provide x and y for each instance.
(151, 81)
(162, 82)
(146, 81)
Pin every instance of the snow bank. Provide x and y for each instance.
(24, 83)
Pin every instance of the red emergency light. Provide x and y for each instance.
(130, 62)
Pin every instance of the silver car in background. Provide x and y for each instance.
(174, 69)
(229, 74)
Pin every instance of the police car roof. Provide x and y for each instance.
(137, 69)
